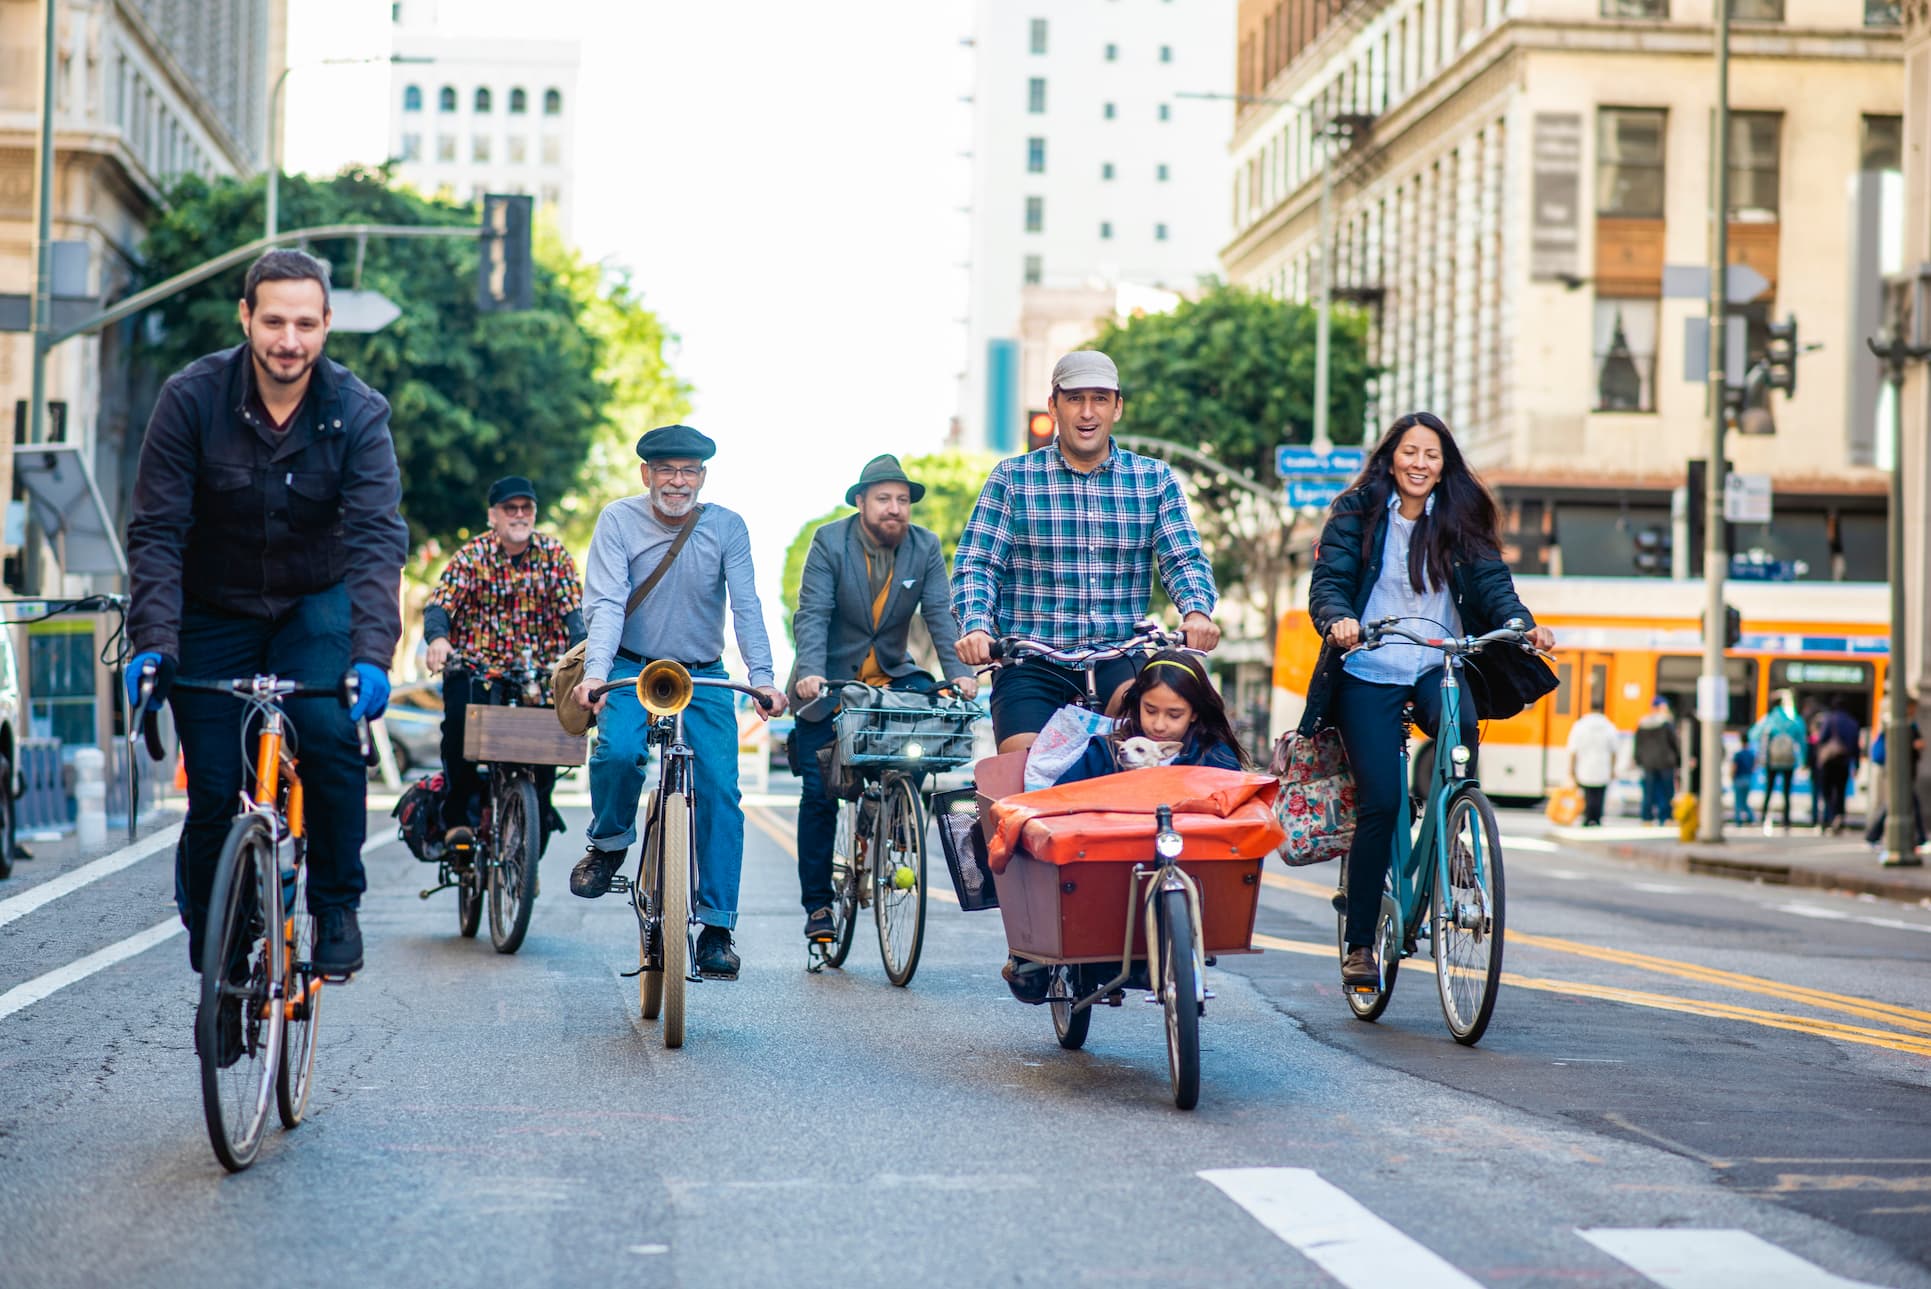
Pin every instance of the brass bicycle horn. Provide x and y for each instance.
(664, 687)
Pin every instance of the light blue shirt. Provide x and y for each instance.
(1430, 612)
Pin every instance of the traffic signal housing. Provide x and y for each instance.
(504, 279)
(1732, 627)
(1653, 550)
(1039, 430)
(1780, 355)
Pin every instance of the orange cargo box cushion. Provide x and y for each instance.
(1221, 814)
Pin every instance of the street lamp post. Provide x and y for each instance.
(273, 151)
(42, 321)
(1713, 689)
(1900, 830)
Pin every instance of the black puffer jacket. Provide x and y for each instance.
(1347, 562)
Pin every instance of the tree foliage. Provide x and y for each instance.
(547, 392)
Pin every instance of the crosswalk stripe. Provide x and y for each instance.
(1333, 1230)
(1712, 1259)
(22, 996)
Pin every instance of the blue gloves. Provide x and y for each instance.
(374, 697)
(163, 680)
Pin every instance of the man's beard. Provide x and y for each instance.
(883, 537)
(674, 506)
(266, 367)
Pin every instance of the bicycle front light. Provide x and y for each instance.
(914, 750)
(1459, 758)
(1166, 844)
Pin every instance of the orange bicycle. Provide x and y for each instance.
(260, 993)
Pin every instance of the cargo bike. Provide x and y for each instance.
(1131, 882)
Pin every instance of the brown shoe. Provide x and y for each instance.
(1359, 970)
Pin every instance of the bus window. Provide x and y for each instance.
(1598, 687)
(1565, 675)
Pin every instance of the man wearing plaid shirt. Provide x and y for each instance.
(1061, 548)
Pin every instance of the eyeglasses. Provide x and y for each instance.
(518, 507)
(690, 472)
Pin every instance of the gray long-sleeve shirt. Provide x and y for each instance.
(683, 617)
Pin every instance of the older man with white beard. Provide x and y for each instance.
(681, 619)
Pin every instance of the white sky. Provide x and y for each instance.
(782, 180)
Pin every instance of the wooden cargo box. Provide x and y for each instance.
(520, 735)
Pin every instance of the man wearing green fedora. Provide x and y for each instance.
(865, 576)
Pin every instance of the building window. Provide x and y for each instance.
(553, 102)
(446, 99)
(1635, 8)
(1106, 169)
(552, 150)
(519, 149)
(412, 147)
(60, 661)
(479, 148)
(1034, 270)
(1159, 232)
(551, 194)
(1109, 111)
(519, 102)
(482, 100)
(1625, 352)
(1036, 156)
(445, 147)
(1160, 172)
(1039, 36)
(1112, 53)
(1755, 142)
(1883, 13)
(1757, 10)
(1883, 144)
(1629, 162)
(412, 99)
(1166, 113)
(1166, 53)
(1036, 95)
(1035, 214)
(1106, 230)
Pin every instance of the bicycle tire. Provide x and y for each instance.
(675, 828)
(1180, 996)
(847, 872)
(899, 847)
(515, 849)
(295, 1077)
(1368, 1007)
(1069, 1026)
(650, 978)
(244, 917)
(1466, 909)
(469, 902)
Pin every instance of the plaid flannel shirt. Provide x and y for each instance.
(1068, 558)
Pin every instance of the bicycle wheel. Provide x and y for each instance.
(1466, 911)
(1180, 992)
(241, 968)
(292, 1080)
(650, 978)
(1387, 949)
(898, 878)
(847, 872)
(1062, 992)
(515, 849)
(675, 927)
(469, 902)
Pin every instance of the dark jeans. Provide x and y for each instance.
(1659, 786)
(1369, 718)
(817, 811)
(465, 804)
(1831, 782)
(1770, 780)
(1592, 804)
(309, 644)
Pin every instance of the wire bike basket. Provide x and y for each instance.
(900, 730)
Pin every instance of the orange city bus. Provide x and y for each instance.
(1622, 641)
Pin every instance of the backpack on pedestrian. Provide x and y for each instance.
(1780, 750)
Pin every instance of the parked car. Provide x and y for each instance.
(781, 727)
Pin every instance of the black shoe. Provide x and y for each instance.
(591, 877)
(1359, 970)
(715, 961)
(227, 1032)
(818, 926)
(338, 943)
(1027, 980)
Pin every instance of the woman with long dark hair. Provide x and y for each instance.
(1415, 536)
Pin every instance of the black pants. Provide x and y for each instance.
(818, 811)
(1831, 781)
(465, 803)
(1770, 780)
(1592, 804)
(1369, 718)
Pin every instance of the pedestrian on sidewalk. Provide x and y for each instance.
(1780, 742)
(1659, 754)
(1874, 834)
(1834, 755)
(1743, 766)
(1593, 741)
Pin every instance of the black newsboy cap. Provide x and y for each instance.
(668, 441)
(514, 485)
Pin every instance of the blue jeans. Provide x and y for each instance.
(1659, 787)
(309, 644)
(817, 812)
(617, 781)
(1740, 797)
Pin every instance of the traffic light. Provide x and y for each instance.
(1653, 551)
(1752, 403)
(1732, 627)
(1039, 430)
(1780, 352)
(503, 278)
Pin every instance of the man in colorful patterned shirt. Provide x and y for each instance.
(505, 590)
(1061, 547)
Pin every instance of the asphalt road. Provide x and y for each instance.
(1689, 1082)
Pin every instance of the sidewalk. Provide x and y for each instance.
(1801, 857)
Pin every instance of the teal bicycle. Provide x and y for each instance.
(1444, 883)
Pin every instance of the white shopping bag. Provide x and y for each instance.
(1062, 742)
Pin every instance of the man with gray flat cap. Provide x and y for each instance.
(1062, 546)
(698, 555)
(865, 577)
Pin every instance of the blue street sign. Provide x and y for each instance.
(1744, 569)
(1314, 492)
(1290, 460)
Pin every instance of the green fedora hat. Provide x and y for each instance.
(883, 468)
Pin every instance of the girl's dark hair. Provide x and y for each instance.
(1187, 678)
(1464, 524)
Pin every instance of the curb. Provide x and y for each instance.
(1716, 863)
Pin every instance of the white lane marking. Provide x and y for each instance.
(1540, 844)
(649, 1249)
(1562, 874)
(47, 892)
(1658, 888)
(39, 987)
(1838, 915)
(1328, 1227)
(1712, 1259)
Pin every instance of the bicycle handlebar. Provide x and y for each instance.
(1375, 634)
(763, 700)
(263, 688)
(1007, 650)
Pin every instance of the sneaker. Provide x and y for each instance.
(1028, 980)
(715, 961)
(338, 943)
(591, 877)
(1359, 970)
(227, 1032)
(818, 926)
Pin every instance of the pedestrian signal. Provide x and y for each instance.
(1732, 627)
(1039, 430)
(1653, 548)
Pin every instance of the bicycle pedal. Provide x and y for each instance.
(620, 883)
(1364, 990)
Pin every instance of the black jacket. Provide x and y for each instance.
(230, 513)
(1347, 561)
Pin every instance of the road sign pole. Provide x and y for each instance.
(1324, 298)
(42, 305)
(1715, 549)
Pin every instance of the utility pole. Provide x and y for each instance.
(1713, 688)
(1900, 828)
(1324, 296)
(43, 302)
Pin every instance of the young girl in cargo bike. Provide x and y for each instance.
(1174, 716)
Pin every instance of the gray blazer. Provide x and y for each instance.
(833, 625)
